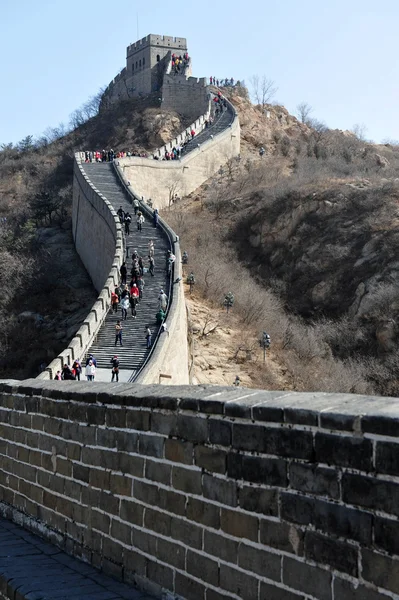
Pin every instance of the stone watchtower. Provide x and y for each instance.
(149, 70)
(146, 62)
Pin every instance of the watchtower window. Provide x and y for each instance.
(158, 58)
(143, 62)
(136, 64)
(140, 63)
(132, 67)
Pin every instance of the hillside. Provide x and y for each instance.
(306, 237)
(46, 291)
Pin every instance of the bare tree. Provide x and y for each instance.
(359, 129)
(263, 89)
(173, 188)
(303, 110)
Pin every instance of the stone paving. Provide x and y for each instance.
(32, 569)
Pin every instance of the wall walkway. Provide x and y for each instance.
(207, 492)
(210, 149)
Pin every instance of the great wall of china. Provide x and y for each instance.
(188, 492)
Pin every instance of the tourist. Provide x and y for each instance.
(123, 272)
(90, 371)
(118, 333)
(114, 301)
(151, 266)
(163, 300)
(115, 368)
(140, 221)
(77, 368)
(125, 306)
(148, 337)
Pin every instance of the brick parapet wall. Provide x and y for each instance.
(99, 241)
(210, 493)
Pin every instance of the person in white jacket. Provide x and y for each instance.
(90, 371)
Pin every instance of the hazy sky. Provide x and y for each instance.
(340, 56)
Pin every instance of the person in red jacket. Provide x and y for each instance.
(114, 301)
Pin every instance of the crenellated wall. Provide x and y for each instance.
(209, 493)
(158, 179)
(98, 238)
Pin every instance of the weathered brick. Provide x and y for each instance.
(186, 532)
(171, 553)
(157, 521)
(74, 451)
(151, 445)
(387, 458)
(131, 512)
(179, 451)
(259, 561)
(112, 550)
(313, 479)
(305, 578)
(165, 424)
(81, 473)
(121, 531)
(349, 591)
(273, 592)
(107, 438)
(331, 518)
(120, 485)
(69, 431)
(106, 502)
(221, 546)
(220, 432)
(161, 574)
(203, 512)
(189, 588)
(211, 459)
(99, 479)
(99, 520)
(239, 583)
(386, 534)
(115, 417)
(154, 496)
(96, 414)
(134, 559)
(282, 536)
(186, 480)
(370, 492)
(202, 567)
(158, 471)
(329, 551)
(257, 469)
(239, 524)
(273, 440)
(258, 500)
(138, 419)
(145, 541)
(219, 490)
(192, 428)
(380, 424)
(126, 441)
(77, 412)
(381, 570)
(132, 465)
(344, 451)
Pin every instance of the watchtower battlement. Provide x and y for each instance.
(147, 62)
(177, 43)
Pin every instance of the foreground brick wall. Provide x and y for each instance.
(210, 493)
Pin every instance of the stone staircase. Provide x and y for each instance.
(133, 354)
(220, 123)
(134, 351)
